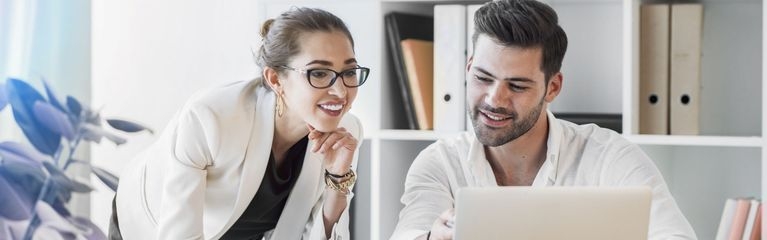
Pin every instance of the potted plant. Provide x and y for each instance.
(33, 185)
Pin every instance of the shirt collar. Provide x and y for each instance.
(547, 175)
(553, 143)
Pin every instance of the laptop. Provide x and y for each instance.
(543, 213)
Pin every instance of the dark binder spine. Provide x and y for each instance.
(395, 51)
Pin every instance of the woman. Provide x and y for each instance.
(272, 157)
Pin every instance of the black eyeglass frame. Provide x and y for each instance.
(308, 72)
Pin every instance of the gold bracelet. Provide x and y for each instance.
(344, 184)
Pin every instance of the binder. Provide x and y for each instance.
(725, 223)
(400, 26)
(470, 10)
(739, 219)
(756, 234)
(750, 220)
(419, 62)
(654, 68)
(449, 68)
(686, 34)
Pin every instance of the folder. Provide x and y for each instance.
(756, 234)
(686, 34)
(654, 68)
(752, 213)
(739, 219)
(400, 26)
(723, 232)
(419, 62)
(449, 68)
(470, 10)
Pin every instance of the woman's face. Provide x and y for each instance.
(322, 108)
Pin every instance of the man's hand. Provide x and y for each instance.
(336, 147)
(442, 229)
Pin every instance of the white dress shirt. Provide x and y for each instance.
(577, 155)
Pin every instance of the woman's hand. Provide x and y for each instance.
(336, 148)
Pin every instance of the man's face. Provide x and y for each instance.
(507, 91)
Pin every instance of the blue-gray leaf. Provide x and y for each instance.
(52, 97)
(127, 126)
(15, 206)
(22, 98)
(91, 132)
(54, 119)
(14, 150)
(81, 187)
(93, 232)
(75, 108)
(106, 177)
(3, 97)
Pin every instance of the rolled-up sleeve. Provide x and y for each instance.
(427, 194)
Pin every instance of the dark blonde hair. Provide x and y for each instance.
(281, 35)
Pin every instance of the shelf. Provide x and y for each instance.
(714, 141)
(411, 135)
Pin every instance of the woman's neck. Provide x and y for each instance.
(288, 130)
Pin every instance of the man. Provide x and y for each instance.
(512, 76)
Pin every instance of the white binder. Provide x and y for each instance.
(449, 68)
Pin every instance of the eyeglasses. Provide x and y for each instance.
(321, 78)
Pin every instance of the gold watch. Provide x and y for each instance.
(341, 183)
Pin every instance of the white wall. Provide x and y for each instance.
(150, 56)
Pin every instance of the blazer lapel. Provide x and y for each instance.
(256, 155)
(302, 198)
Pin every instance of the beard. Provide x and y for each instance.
(494, 137)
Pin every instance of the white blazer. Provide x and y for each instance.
(205, 168)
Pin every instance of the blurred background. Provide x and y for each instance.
(136, 60)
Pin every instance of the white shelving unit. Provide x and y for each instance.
(601, 74)
(726, 160)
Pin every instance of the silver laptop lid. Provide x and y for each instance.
(542, 213)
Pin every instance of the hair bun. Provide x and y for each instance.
(265, 27)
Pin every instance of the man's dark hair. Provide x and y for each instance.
(526, 24)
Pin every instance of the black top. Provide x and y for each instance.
(265, 209)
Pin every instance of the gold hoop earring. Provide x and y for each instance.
(280, 106)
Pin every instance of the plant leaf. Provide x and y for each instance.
(16, 206)
(106, 177)
(5, 229)
(52, 97)
(92, 117)
(127, 126)
(49, 218)
(75, 108)
(61, 186)
(95, 133)
(3, 98)
(22, 153)
(92, 232)
(22, 98)
(27, 175)
(80, 186)
(54, 119)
